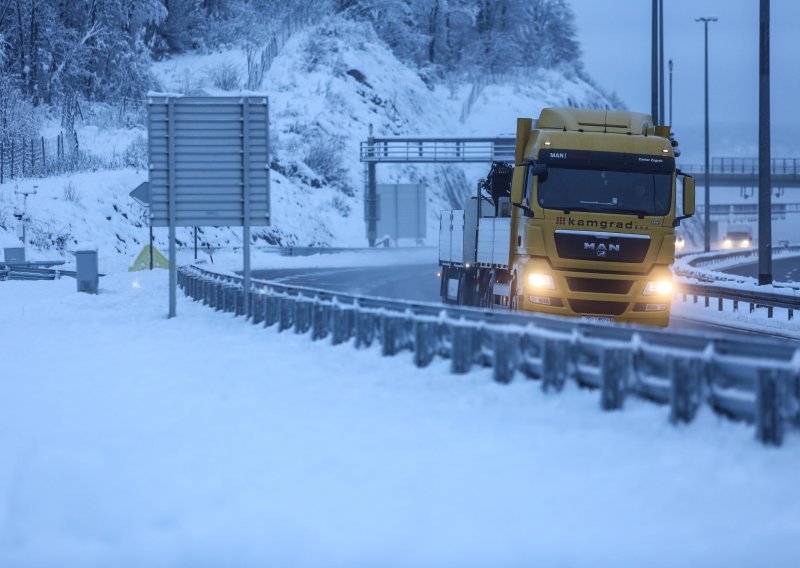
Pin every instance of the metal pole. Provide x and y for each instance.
(707, 177)
(670, 93)
(195, 243)
(151, 245)
(172, 207)
(246, 202)
(707, 195)
(371, 196)
(661, 113)
(654, 66)
(764, 153)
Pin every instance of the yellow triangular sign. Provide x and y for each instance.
(142, 261)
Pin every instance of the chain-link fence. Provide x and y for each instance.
(20, 157)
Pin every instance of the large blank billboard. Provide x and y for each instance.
(211, 155)
(401, 211)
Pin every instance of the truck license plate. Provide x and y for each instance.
(596, 319)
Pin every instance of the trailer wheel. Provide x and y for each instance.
(513, 299)
(449, 295)
(486, 289)
(466, 288)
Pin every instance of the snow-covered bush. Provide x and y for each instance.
(71, 194)
(324, 156)
(225, 76)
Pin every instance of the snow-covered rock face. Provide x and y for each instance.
(328, 85)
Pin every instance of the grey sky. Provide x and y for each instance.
(615, 38)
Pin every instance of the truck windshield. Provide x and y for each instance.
(605, 191)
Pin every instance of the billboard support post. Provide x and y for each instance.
(209, 166)
(171, 207)
(246, 202)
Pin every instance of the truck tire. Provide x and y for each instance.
(463, 289)
(513, 299)
(451, 273)
(485, 297)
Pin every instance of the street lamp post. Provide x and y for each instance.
(707, 209)
(670, 93)
(764, 153)
(661, 114)
(654, 65)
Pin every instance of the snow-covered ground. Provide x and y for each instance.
(128, 439)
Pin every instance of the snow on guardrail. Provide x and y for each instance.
(753, 380)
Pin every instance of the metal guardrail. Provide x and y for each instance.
(753, 380)
(725, 165)
(33, 270)
(719, 287)
(437, 150)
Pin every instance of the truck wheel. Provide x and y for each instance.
(486, 289)
(513, 299)
(464, 295)
(449, 295)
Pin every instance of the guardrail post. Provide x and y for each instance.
(554, 364)
(272, 310)
(736, 305)
(462, 350)
(365, 329)
(238, 298)
(205, 290)
(257, 301)
(685, 389)
(342, 325)
(791, 313)
(302, 315)
(424, 342)
(613, 378)
(285, 319)
(719, 304)
(390, 332)
(506, 356)
(219, 300)
(321, 317)
(230, 298)
(770, 394)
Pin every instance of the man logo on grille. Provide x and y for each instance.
(601, 249)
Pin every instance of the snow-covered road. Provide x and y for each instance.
(127, 439)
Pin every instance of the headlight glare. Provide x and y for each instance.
(658, 288)
(539, 280)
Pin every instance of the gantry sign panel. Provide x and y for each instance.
(210, 157)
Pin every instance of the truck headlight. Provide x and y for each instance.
(658, 288)
(745, 243)
(727, 243)
(539, 280)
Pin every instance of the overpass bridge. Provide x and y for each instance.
(725, 172)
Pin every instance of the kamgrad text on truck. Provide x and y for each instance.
(582, 224)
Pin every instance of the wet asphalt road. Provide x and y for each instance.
(783, 270)
(417, 282)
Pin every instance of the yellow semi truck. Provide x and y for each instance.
(582, 224)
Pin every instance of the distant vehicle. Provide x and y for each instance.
(738, 237)
(581, 224)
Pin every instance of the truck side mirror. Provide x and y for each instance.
(538, 169)
(688, 196)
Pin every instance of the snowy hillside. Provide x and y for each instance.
(328, 84)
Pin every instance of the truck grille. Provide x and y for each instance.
(603, 247)
(599, 285)
(595, 307)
